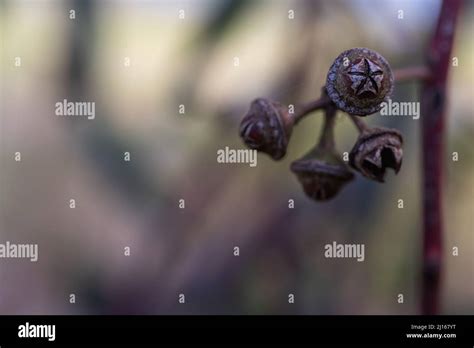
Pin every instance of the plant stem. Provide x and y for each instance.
(326, 140)
(314, 105)
(359, 123)
(433, 97)
(412, 73)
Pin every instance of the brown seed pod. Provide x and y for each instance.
(376, 150)
(267, 127)
(359, 81)
(322, 174)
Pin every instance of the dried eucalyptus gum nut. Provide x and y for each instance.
(375, 150)
(322, 174)
(359, 81)
(267, 127)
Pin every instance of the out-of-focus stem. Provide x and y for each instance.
(433, 101)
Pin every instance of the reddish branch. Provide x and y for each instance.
(433, 103)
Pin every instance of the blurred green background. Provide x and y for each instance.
(190, 61)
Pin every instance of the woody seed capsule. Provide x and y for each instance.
(359, 81)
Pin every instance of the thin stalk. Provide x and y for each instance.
(326, 140)
(312, 106)
(433, 98)
(359, 123)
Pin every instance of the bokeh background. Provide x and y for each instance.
(190, 61)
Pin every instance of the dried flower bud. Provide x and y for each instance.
(322, 174)
(267, 127)
(359, 81)
(375, 150)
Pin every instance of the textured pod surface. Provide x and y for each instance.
(359, 81)
(267, 127)
(321, 179)
(376, 150)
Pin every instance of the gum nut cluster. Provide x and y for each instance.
(358, 82)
